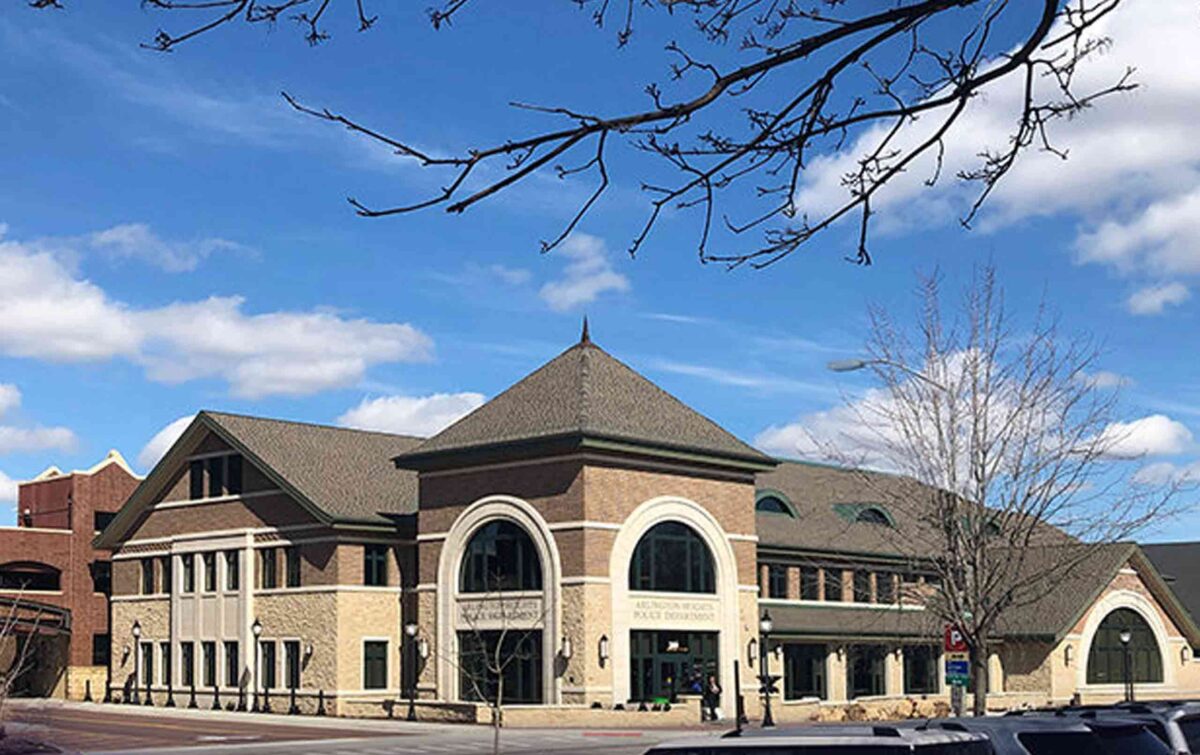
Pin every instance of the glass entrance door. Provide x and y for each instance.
(665, 663)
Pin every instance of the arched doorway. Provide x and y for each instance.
(1106, 656)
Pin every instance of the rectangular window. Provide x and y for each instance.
(101, 649)
(375, 565)
(777, 581)
(920, 670)
(233, 474)
(164, 652)
(865, 671)
(187, 663)
(523, 675)
(375, 665)
(833, 585)
(209, 651)
(232, 668)
(291, 560)
(803, 671)
(189, 572)
(164, 568)
(101, 519)
(810, 583)
(862, 586)
(196, 480)
(147, 576)
(102, 577)
(267, 658)
(210, 571)
(268, 578)
(147, 663)
(216, 476)
(885, 587)
(232, 570)
(291, 659)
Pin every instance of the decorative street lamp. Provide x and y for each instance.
(765, 625)
(256, 630)
(1126, 637)
(410, 631)
(137, 657)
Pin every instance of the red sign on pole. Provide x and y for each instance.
(955, 642)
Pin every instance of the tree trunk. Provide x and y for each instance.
(496, 714)
(979, 673)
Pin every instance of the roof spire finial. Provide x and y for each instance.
(585, 337)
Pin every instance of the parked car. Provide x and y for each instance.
(1058, 734)
(832, 740)
(1176, 722)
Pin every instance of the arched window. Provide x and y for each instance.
(671, 557)
(29, 575)
(873, 515)
(772, 504)
(500, 557)
(1106, 658)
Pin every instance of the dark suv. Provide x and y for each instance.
(1058, 735)
(832, 740)
(1176, 722)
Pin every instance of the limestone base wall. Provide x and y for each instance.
(80, 677)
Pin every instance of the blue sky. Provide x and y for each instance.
(176, 238)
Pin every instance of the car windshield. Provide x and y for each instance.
(1058, 742)
(1190, 727)
(1130, 741)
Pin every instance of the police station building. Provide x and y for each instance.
(613, 545)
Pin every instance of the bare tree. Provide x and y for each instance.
(1023, 468)
(18, 629)
(730, 136)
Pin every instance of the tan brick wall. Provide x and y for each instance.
(269, 511)
(360, 615)
(154, 615)
(611, 494)
(311, 618)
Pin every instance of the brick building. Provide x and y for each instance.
(614, 543)
(48, 562)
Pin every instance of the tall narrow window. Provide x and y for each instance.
(865, 671)
(188, 560)
(232, 667)
(268, 664)
(862, 586)
(920, 670)
(147, 651)
(233, 474)
(216, 476)
(101, 649)
(375, 665)
(164, 567)
(803, 671)
(885, 587)
(268, 577)
(291, 562)
(833, 585)
(232, 570)
(291, 659)
(187, 663)
(164, 652)
(210, 571)
(810, 583)
(209, 652)
(777, 581)
(375, 565)
(196, 480)
(147, 576)
(102, 577)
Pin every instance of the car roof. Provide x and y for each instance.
(823, 735)
(1006, 723)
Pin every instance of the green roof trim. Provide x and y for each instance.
(764, 493)
(852, 512)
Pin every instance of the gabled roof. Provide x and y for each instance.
(341, 476)
(1179, 564)
(586, 393)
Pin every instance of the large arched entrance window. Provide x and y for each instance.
(500, 557)
(671, 557)
(30, 575)
(1106, 658)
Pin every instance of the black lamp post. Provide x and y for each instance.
(137, 657)
(256, 630)
(765, 625)
(410, 632)
(1126, 637)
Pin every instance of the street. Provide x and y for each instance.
(93, 729)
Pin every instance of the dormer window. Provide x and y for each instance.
(873, 515)
(774, 503)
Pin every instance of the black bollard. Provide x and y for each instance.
(149, 700)
(266, 706)
(108, 691)
(170, 695)
(87, 691)
(320, 702)
(192, 696)
(293, 709)
(216, 697)
(241, 703)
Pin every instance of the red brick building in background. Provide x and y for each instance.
(48, 560)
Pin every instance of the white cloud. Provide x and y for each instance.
(738, 379)
(15, 439)
(1151, 300)
(588, 274)
(1156, 435)
(10, 398)
(1164, 472)
(162, 441)
(514, 276)
(1106, 379)
(48, 311)
(1133, 167)
(8, 489)
(137, 241)
(411, 415)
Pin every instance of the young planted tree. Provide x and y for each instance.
(19, 624)
(755, 92)
(1026, 475)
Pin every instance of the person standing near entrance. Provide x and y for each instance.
(712, 698)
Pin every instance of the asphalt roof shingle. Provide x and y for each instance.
(1179, 564)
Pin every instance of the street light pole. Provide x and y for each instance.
(765, 625)
(410, 631)
(137, 657)
(256, 630)
(1126, 637)
(853, 365)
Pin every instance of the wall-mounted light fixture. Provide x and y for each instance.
(308, 650)
(751, 652)
(565, 650)
(1068, 655)
(603, 649)
(1185, 654)
(423, 648)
